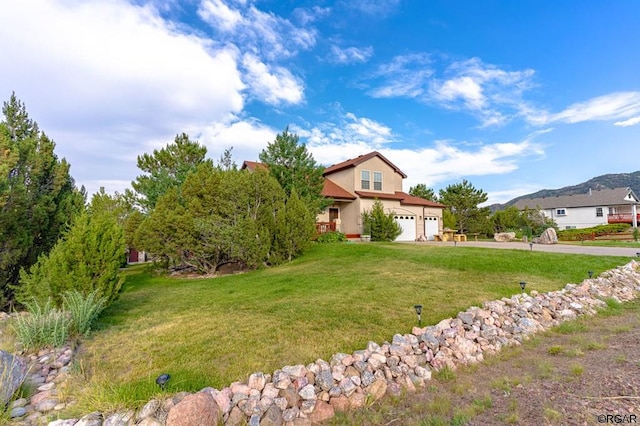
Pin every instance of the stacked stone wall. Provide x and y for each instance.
(309, 394)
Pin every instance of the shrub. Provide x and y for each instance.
(86, 259)
(331, 237)
(383, 227)
(590, 233)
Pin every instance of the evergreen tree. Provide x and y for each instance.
(383, 226)
(38, 197)
(87, 258)
(462, 201)
(295, 227)
(421, 190)
(293, 166)
(166, 168)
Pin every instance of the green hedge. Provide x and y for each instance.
(590, 233)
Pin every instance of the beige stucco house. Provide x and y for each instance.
(355, 184)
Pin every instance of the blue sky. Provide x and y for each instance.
(514, 96)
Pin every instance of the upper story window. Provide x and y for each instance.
(561, 212)
(599, 212)
(377, 181)
(365, 179)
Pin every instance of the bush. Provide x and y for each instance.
(86, 259)
(590, 233)
(331, 237)
(383, 227)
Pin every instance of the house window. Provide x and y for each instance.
(599, 212)
(377, 181)
(612, 210)
(364, 179)
(561, 212)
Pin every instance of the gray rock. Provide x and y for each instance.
(17, 412)
(504, 237)
(549, 236)
(273, 417)
(92, 419)
(324, 379)
(119, 419)
(12, 374)
(308, 392)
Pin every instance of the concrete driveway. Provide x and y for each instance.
(553, 248)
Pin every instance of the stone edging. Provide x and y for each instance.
(305, 395)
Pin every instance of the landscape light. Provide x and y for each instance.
(531, 246)
(590, 273)
(523, 285)
(638, 254)
(162, 380)
(418, 309)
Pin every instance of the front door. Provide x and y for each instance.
(333, 214)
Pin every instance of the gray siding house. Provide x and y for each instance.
(596, 207)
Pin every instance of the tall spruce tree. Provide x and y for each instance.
(294, 167)
(167, 168)
(38, 197)
(462, 201)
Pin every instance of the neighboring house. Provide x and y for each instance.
(355, 184)
(597, 207)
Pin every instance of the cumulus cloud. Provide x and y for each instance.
(272, 84)
(104, 77)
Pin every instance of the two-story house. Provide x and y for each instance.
(596, 207)
(355, 184)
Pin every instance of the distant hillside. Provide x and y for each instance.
(617, 180)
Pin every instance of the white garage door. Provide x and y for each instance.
(408, 225)
(430, 227)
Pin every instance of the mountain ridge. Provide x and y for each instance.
(611, 180)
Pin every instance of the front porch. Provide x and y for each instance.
(622, 218)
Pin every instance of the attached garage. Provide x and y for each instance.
(431, 227)
(408, 225)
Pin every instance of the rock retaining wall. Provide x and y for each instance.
(305, 395)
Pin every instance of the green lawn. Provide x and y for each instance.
(336, 298)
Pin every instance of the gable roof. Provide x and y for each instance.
(601, 197)
(403, 197)
(359, 160)
(252, 165)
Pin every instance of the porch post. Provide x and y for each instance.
(634, 215)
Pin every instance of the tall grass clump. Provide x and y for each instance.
(83, 310)
(42, 326)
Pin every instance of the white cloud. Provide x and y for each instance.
(374, 7)
(219, 14)
(405, 76)
(105, 78)
(630, 122)
(252, 30)
(350, 55)
(442, 161)
(613, 106)
(272, 84)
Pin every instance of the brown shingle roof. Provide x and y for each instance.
(252, 165)
(335, 191)
(359, 160)
(403, 197)
(601, 197)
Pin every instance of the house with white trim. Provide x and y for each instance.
(596, 207)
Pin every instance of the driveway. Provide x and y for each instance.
(554, 248)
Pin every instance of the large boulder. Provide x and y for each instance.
(504, 237)
(549, 236)
(198, 409)
(12, 373)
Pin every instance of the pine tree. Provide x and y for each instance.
(38, 197)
